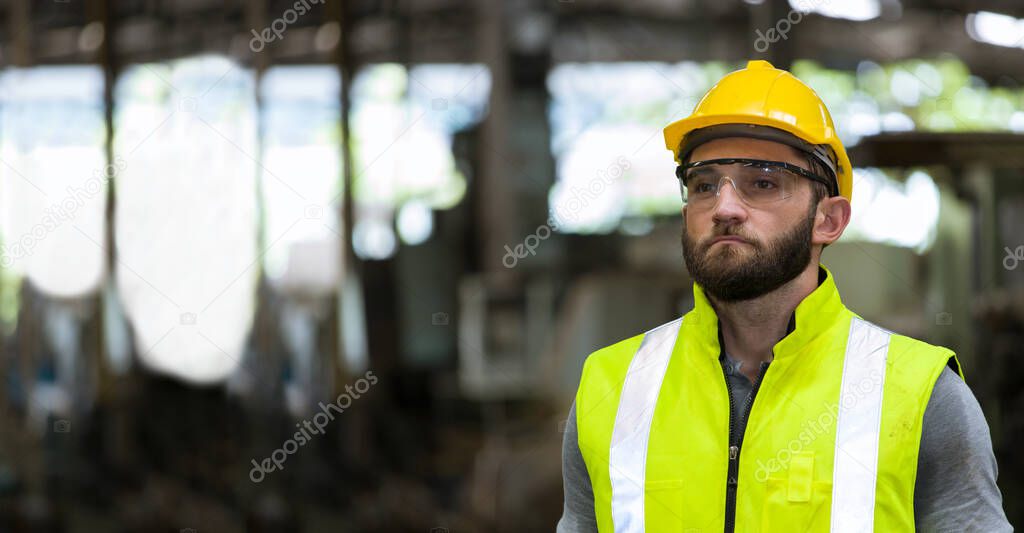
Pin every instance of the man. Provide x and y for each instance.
(770, 406)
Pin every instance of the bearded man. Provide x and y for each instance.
(770, 406)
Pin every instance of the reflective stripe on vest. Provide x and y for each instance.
(857, 430)
(860, 416)
(632, 431)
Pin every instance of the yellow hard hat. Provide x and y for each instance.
(761, 96)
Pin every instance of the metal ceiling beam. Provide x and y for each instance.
(20, 28)
(956, 150)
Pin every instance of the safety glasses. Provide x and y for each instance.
(759, 183)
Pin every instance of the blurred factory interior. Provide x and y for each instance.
(218, 218)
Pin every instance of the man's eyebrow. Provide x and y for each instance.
(702, 170)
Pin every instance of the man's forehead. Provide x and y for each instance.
(749, 148)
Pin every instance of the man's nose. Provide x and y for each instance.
(729, 206)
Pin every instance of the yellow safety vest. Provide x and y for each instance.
(831, 441)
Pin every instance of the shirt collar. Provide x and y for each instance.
(814, 315)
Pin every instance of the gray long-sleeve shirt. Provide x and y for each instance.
(956, 474)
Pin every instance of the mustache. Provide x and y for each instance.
(728, 231)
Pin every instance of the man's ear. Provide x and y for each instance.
(830, 219)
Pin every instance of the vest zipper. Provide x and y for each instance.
(735, 442)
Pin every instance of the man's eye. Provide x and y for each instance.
(764, 184)
(702, 187)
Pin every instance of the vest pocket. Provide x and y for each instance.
(797, 504)
(663, 484)
(782, 515)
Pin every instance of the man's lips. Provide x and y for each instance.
(726, 238)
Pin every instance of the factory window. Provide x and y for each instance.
(186, 213)
(402, 123)
(606, 121)
(904, 214)
(858, 10)
(300, 177)
(995, 28)
(936, 95)
(53, 179)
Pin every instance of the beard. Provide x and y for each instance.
(730, 274)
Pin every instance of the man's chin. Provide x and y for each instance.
(727, 252)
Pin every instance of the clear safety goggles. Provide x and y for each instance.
(759, 183)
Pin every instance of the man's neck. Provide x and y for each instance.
(750, 328)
